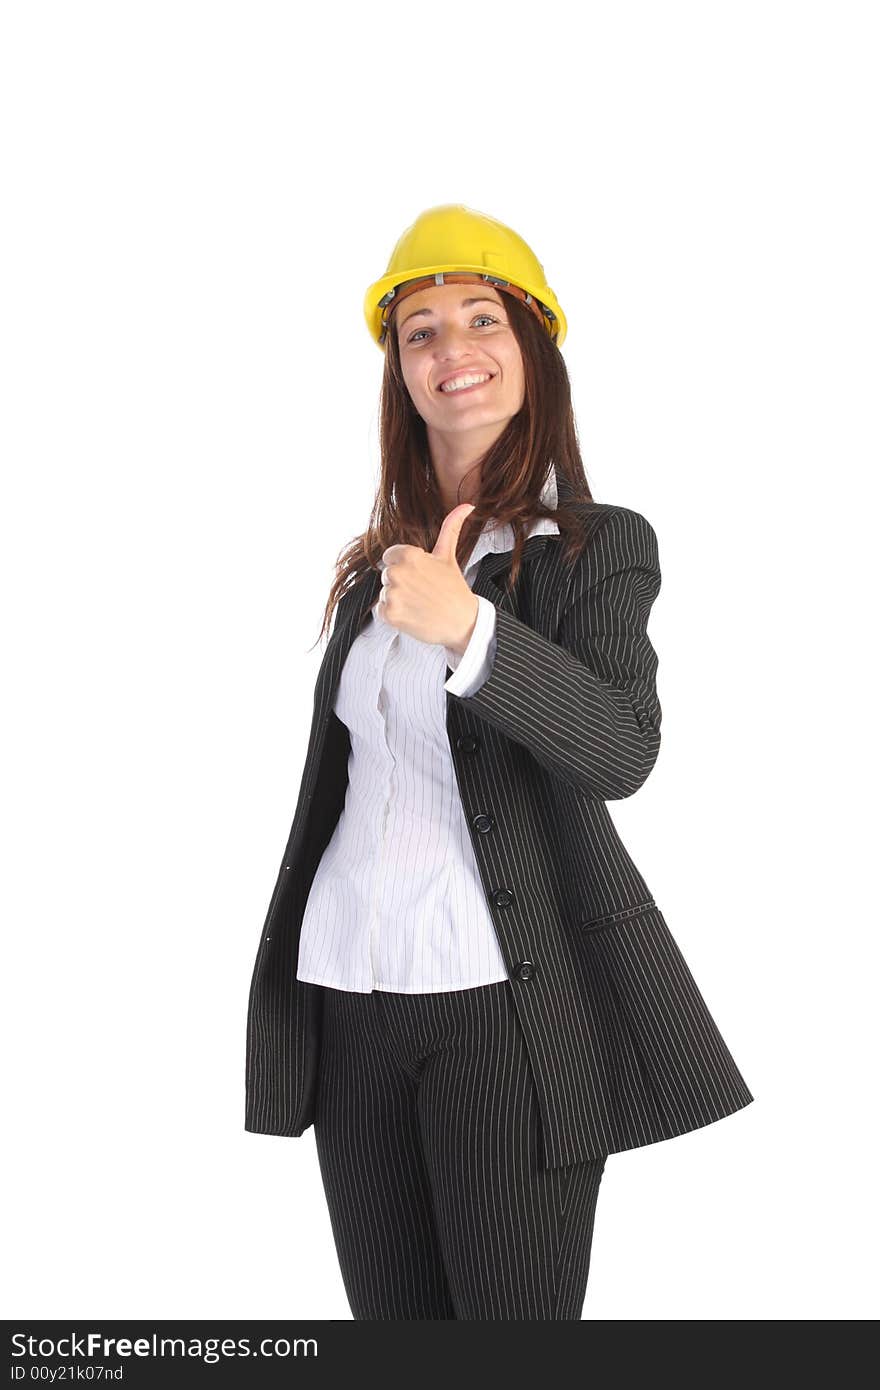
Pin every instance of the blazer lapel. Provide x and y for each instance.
(490, 580)
(352, 609)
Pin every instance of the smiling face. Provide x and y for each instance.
(449, 332)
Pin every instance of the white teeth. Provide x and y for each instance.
(460, 382)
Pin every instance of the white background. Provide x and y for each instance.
(196, 198)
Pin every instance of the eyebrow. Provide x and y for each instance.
(480, 299)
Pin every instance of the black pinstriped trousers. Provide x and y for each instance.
(427, 1131)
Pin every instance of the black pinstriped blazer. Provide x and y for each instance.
(623, 1048)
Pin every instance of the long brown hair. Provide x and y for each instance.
(408, 508)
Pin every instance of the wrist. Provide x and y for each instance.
(459, 645)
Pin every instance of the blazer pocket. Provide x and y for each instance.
(623, 914)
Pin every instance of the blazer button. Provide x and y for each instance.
(483, 823)
(468, 743)
(502, 897)
(524, 970)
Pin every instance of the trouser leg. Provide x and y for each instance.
(372, 1166)
(515, 1237)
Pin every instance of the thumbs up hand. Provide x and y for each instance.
(425, 594)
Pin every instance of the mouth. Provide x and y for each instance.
(466, 390)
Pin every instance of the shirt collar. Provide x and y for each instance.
(494, 538)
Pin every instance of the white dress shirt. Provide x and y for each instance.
(397, 902)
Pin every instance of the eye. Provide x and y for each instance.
(413, 337)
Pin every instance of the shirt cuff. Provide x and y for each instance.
(472, 668)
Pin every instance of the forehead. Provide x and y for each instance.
(448, 297)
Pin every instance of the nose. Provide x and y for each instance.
(451, 340)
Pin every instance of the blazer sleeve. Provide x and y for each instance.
(585, 706)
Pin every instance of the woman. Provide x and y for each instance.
(463, 980)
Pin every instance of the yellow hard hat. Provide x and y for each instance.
(450, 243)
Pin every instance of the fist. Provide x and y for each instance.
(425, 594)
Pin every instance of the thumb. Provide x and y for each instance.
(447, 541)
